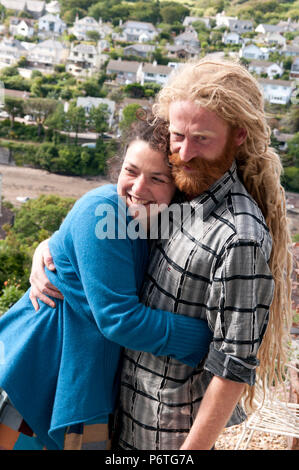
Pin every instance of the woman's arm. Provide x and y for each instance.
(106, 270)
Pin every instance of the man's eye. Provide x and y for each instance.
(177, 136)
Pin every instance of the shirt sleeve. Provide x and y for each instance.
(244, 287)
(105, 267)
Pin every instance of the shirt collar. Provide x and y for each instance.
(217, 192)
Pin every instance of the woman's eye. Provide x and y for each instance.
(158, 180)
(129, 170)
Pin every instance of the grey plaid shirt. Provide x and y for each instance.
(220, 275)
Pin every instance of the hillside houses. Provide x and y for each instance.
(155, 73)
(89, 102)
(294, 73)
(51, 24)
(144, 51)
(84, 59)
(277, 91)
(36, 8)
(260, 67)
(252, 51)
(125, 72)
(134, 53)
(21, 27)
(138, 31)
(47, 54)
(11, 50)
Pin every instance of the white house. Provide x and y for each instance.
(231, 38)
(180, 52)
(11, 50)
(283, 139)
(155, 73)
(240, 26)
(264, 28)
(35, 7)
(53, 7)
(262, 66)
(88, 102)
(51, 24)
(276, 91)
(251, 51)
(188, 20)
(294, 73)
(84, 59)
(275, 38)
(84, 25)
(223, 20)
(21, 27)
(139, 31)
(47, 54)
(290, 51)
(141, 50)
(188, 39)
(125, 71)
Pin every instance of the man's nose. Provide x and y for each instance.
(186, 150)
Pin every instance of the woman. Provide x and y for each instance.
(61, 365)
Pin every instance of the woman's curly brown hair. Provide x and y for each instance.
(147, 128)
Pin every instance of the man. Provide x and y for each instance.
(223, 270)
(225, 273)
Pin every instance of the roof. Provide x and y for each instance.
(268, 81)
(139, 24)
(50, 44)
(14, 20)
(86, 48)
(270, 27)
(35, 5)
(51, 17)
(150, 68)
(87, 19)
(232, 21)
(141, 47)
(262, 63)
(188, 36)
(93, 101)
(123, 65)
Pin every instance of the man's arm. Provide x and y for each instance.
(219, 402)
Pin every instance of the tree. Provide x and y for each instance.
(76, 120)
(40, 109)
(172, 12)
(93, 35)
(98, 118)
(14, 107)
(134, 90)
(128, 116)
(293, 149)
(56, 121)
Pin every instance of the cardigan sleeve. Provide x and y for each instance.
(106, 270)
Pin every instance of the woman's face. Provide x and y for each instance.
(145, 178)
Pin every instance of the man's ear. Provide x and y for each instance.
(240, 136)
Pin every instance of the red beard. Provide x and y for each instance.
(203, 174)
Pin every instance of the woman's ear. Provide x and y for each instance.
(240, 136)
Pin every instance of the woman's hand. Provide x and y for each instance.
(40, 284)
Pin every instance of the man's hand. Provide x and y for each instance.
(40, 284)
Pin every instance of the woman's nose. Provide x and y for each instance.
(139, 185)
